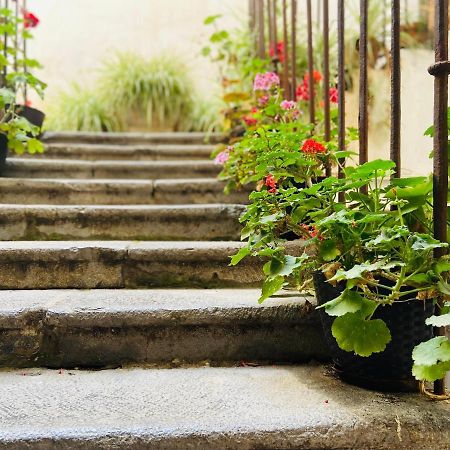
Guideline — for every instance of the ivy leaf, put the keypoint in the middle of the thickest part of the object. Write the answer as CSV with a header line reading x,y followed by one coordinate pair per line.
x,y
270,287
239,256
348,302
431,352
426,242
364,337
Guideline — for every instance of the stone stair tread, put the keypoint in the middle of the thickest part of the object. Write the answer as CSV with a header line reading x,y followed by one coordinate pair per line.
x,y
144,222
131,137
125,152
115,191
110,328
277,407
77,168
123,264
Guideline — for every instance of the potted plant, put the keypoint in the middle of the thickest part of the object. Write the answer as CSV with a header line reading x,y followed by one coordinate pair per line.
x,y
369,261
17,133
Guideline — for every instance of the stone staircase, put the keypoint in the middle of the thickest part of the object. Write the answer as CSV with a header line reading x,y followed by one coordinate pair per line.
x,y
114,256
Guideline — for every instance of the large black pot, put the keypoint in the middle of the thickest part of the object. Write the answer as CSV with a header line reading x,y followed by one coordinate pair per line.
x,y
389,370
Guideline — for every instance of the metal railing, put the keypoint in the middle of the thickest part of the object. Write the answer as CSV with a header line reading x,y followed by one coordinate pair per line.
x,y
264,13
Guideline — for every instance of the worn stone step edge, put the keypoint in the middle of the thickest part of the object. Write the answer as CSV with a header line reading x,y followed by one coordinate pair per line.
x,y
153,222
116,192
125,264
132,138
125,152
79,328
73,168
244,408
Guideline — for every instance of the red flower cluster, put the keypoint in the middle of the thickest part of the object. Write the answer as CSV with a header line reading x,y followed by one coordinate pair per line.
x,y
334,95
279,51
312,147
310,229
29,19
271,183
302,91
249,120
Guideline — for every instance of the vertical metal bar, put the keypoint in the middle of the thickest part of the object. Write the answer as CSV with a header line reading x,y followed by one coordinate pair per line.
x,y
440,143
275,27
5,49
363,122
326,77
341,89
396,109
16,35
252,24
286,53
312,112
293,48
261,31
272,43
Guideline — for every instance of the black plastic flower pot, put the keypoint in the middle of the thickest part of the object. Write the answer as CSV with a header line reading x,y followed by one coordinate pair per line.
x,y
33,115
389,370
3,152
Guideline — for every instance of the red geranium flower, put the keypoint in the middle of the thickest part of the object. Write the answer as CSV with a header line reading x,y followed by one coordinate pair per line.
x,y
279,52
29,19
302,92
249,121
271,183
312,147
333,95
316,75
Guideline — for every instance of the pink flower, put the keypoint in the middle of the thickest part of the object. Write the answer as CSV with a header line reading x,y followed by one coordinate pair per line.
x,y
287,105
266,81
334,95
262,101
223,156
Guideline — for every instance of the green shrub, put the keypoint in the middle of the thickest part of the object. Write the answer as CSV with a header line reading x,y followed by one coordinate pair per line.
x,y
81,109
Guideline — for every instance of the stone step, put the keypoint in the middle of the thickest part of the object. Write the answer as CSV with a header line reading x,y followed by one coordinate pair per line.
x,y
123,264
110,328
72,168
92,152
206,408
131,138
166,222
115,192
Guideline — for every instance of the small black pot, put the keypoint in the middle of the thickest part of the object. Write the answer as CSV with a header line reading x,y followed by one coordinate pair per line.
x,y
3,152
389,370
33,115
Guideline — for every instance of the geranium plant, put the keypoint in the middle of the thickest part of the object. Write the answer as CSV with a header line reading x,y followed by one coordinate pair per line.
x,y
20,133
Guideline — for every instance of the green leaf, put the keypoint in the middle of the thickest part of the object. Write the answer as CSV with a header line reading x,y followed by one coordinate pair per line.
x,y
240,255
328,250
348,302
211,19
439,321
270,287
444,287
431,373
364,337
35,146
431,352
426,242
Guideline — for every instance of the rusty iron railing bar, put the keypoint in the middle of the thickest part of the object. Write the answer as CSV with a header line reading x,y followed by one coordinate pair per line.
x,y
312,111
16,35
293,48
25,88
326,77
261,31
272,44
286,53
363,122
252,24
396,109
440,70
5,49
341,88
275,34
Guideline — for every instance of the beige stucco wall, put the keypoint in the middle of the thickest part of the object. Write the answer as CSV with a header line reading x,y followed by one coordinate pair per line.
x,y
75,35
